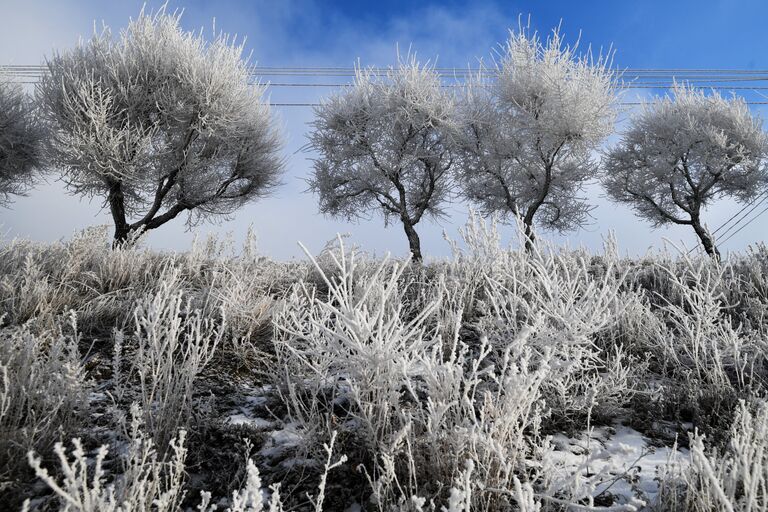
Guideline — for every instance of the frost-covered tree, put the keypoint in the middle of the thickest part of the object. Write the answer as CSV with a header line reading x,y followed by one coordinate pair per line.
x,y
160,122
20,136
385,144
683,151
527,136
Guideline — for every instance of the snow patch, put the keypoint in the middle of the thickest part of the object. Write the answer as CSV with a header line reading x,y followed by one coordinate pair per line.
x,y
627,463
281,440
257,423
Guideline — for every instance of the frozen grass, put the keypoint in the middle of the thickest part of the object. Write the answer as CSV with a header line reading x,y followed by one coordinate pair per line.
x,y
146,480
43,396
732,478
493,380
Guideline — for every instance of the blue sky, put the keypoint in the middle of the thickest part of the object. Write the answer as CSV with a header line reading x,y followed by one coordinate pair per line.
x,y
644,34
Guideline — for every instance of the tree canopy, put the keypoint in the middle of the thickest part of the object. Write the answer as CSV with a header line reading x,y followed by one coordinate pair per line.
x,y
386,144
161,122
20,137
528,134
683,151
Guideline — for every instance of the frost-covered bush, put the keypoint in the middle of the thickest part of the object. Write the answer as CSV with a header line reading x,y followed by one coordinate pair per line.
x,y
171,345
357,333
712,362
746,289
103,285
557,306
147,481
44,281
706,343
43,397
734,478
412,401
563,309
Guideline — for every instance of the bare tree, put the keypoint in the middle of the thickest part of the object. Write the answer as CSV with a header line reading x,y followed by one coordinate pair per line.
x,y
161,122
20,136
684,151
527,136
385,144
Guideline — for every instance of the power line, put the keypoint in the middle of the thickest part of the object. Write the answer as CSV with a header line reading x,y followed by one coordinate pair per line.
x,y
721,79
750,203
623,104
713,78
728,221
341,85
644,74
295,104
753,208
745,225
444,69
759,199
640,78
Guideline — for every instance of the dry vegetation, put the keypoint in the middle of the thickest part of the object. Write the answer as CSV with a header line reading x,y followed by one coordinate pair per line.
x,y
497,379
137,380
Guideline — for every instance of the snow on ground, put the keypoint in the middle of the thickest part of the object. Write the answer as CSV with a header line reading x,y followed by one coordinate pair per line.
x,y
251,409
244,419
615,460
281,441
618,458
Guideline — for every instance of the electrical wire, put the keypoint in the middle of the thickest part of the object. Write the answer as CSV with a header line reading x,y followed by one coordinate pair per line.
x,y
643,74
757,201
745,225
717,79
631,79
757,198
752,209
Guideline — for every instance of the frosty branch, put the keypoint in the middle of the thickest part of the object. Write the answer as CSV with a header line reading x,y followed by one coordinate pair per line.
x,y
161,122
20,136
526,137
385,144
683,152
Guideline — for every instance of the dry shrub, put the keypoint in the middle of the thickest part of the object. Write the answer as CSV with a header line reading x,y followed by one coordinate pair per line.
x,y
43,397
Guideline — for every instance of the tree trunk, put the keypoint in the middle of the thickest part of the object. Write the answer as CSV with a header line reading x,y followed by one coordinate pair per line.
x,y
413,240
530,212
706,239
117,208
530,238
